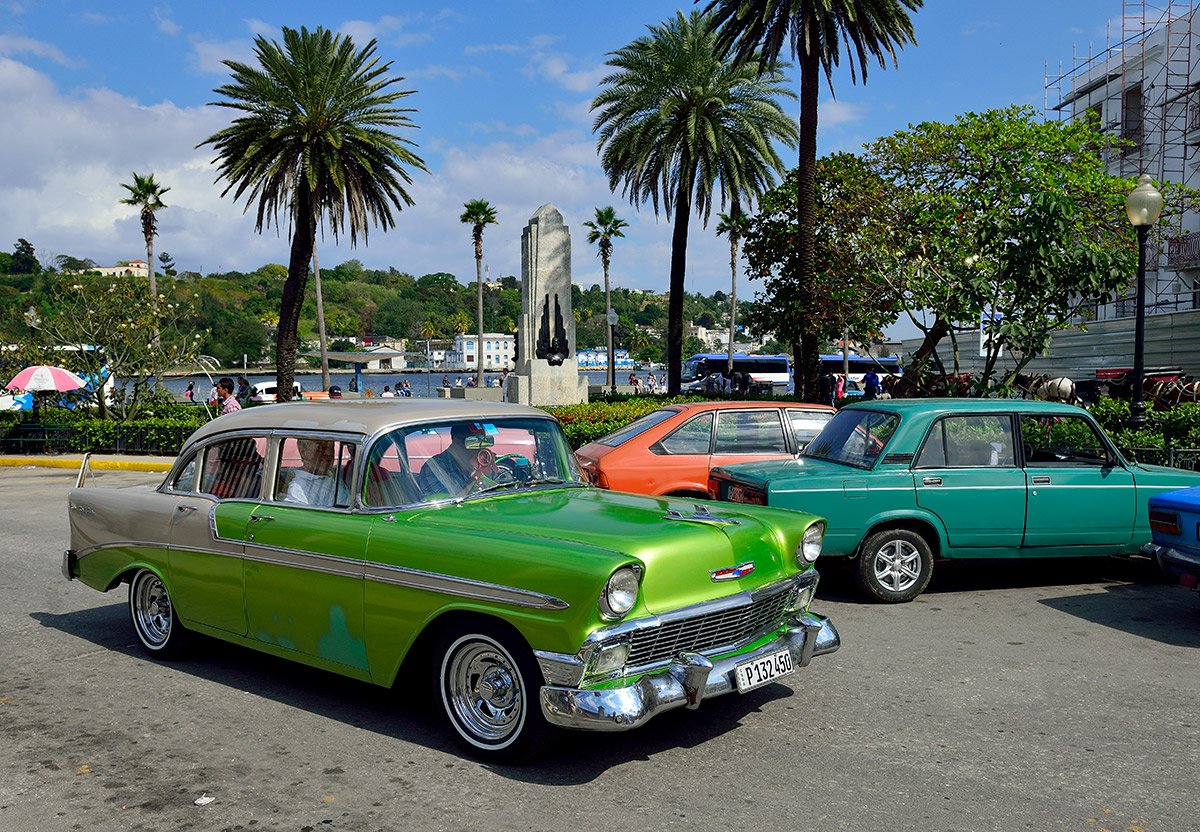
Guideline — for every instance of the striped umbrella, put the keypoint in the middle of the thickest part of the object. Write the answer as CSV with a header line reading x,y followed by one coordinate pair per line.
x,y
44,377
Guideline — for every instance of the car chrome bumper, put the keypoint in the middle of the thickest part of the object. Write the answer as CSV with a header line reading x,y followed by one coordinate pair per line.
x,y
70,564
686,682
1174,562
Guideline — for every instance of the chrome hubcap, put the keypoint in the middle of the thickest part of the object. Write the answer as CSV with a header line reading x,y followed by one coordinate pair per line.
x,y
152,610
483,691
897,565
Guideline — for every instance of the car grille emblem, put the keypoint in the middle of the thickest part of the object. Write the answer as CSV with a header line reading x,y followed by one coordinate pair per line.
x,y
732,573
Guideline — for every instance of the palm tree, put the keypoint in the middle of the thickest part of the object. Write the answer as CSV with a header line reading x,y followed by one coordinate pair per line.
x,y
478,213
601,232
758,31
314,138
676,122
146,194
735,224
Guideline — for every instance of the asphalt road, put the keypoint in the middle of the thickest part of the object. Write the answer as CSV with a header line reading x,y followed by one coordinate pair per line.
x,y
1038,696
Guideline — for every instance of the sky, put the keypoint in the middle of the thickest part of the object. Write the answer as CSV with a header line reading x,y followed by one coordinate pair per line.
x,y
93,91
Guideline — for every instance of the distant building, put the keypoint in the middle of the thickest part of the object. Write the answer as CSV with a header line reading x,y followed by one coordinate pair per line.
x,y
134,268
498,351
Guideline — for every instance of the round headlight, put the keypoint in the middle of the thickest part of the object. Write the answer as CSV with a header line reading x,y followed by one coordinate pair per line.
x,y
810,546
620,593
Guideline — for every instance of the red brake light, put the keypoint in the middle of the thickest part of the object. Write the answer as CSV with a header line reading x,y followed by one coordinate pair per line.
x,y
1166,522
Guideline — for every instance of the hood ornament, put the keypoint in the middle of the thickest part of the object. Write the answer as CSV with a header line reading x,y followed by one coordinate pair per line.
x,y
732,573
701,515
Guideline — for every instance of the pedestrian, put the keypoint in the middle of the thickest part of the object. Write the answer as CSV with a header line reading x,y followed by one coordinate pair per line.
x,y
406,389
458,382
243,390
839,388
871,385
387,393
471,381
212,395
354,384
229,402
827,385
446,381
190,392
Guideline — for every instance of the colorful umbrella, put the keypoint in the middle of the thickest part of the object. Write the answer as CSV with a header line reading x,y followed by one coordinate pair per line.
x,y
44,377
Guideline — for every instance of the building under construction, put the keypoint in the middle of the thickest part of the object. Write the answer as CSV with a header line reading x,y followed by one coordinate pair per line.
x,y
1145,87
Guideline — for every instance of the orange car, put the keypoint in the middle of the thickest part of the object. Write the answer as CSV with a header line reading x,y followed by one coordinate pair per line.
x,y
671,450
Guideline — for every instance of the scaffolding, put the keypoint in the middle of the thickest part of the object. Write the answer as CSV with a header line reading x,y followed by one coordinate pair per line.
x,y
1145,88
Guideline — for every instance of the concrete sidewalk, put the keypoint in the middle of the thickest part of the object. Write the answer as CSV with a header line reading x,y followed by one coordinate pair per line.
x,y
100,462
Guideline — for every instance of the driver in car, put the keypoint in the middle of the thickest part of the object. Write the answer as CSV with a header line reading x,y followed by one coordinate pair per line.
x,y
453,469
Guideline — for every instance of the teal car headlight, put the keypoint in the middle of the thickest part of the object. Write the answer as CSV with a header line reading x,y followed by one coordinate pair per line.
x,y
810,545
620,593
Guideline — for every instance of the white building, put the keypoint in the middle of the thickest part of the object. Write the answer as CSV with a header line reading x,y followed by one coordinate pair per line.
x,y
1146,89
134,268
498,350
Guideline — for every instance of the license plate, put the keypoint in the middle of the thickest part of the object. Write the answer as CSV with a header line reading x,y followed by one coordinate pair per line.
x,y
763,670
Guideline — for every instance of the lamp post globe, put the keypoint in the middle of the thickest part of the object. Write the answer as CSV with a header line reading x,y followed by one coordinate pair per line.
x,y
1142,206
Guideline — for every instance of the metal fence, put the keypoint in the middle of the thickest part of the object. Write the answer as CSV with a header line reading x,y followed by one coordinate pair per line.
x,y
1187,459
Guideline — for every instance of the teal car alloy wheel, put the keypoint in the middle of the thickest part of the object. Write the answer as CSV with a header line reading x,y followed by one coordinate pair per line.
x,y
895,565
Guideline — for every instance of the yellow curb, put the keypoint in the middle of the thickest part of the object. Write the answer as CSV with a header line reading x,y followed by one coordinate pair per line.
x,y
96,464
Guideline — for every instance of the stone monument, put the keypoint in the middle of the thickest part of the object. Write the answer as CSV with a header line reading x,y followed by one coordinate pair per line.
x,y
547,365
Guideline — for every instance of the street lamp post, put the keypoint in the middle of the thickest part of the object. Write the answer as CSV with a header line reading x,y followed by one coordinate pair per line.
x,y
1142,206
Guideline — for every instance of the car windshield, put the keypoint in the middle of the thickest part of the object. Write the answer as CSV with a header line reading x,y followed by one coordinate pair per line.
x,y
853,437
459,459
636,427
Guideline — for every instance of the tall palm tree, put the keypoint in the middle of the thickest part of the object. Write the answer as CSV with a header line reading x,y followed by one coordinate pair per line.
x,y
735,224
314,138
478,213
678,123
601,231
146,194
758,31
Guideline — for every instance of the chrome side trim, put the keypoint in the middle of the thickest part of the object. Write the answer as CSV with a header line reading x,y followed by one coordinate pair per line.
x,y
559,668
309,561
119,544
462,587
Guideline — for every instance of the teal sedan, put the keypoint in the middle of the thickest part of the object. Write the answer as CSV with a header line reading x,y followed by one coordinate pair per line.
x,y
455,546
905,483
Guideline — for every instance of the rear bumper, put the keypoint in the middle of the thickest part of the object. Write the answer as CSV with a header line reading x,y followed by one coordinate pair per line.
x,y
1177,563
686,682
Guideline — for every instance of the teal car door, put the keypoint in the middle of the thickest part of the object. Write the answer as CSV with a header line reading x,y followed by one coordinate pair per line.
x,y
1079,496
967,475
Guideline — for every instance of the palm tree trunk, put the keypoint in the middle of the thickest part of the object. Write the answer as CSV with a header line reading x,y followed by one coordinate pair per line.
x,y
287,337
479,310
611,380
153,285
683,214
807,369
733,241
321,321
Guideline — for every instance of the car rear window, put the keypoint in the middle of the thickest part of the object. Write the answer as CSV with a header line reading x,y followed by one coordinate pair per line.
x,y
854,437
636,427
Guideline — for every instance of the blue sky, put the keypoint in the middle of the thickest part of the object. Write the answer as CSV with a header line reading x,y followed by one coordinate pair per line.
x,y
93,91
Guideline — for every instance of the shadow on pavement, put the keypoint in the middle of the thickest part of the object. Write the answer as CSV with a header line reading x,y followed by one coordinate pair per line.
x,y
1166,614
580,758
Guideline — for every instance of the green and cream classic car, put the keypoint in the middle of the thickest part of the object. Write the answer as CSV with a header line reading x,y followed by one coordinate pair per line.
x,y
455,545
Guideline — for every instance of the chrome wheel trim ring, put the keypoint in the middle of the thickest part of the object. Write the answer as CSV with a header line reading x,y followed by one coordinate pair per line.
x,y
897,565
151,607
482,691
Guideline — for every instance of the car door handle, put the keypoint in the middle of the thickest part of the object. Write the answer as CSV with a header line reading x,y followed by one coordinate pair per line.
x,y
1041,480
260,518
931,481
390,518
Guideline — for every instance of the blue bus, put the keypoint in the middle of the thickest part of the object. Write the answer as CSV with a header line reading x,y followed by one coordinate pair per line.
x,y
860,365
764,373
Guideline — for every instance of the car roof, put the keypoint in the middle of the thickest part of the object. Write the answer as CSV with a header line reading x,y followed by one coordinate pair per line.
x,y
906,406
725,405
362,416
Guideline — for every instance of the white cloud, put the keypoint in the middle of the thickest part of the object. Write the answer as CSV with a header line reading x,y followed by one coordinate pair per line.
x,y
834,112
16,45
166,25
209,54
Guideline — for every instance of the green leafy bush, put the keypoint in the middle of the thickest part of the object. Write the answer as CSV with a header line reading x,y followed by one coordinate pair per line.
x,y
584,423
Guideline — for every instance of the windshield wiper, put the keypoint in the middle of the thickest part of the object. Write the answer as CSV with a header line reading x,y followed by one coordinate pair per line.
x,y
500,486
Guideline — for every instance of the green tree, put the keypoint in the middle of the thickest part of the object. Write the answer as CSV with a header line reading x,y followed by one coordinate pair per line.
x,y
734,225
1002,212
478,213
66,263
146,195
24,259
601,232
676,122
314,138
760,30
168,264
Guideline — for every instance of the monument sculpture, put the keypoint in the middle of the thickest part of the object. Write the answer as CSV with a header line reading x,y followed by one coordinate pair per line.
x,y
547,367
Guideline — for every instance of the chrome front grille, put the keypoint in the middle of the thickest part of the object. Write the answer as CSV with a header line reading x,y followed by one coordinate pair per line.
x,y
710,631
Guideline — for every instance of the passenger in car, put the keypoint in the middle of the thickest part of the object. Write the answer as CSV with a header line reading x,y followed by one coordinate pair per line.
x,y
315,482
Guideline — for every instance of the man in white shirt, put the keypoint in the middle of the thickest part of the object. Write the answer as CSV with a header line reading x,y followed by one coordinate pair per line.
x,y
315,483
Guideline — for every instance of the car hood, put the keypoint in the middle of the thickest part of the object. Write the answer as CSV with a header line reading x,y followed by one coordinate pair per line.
x,y
1162,478
600,530
759,473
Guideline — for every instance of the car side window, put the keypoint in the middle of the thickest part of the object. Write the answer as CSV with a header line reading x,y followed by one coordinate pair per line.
x,y
1062,441
186,479
314,472
806,425
692,437
233,468
969,442
750,432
